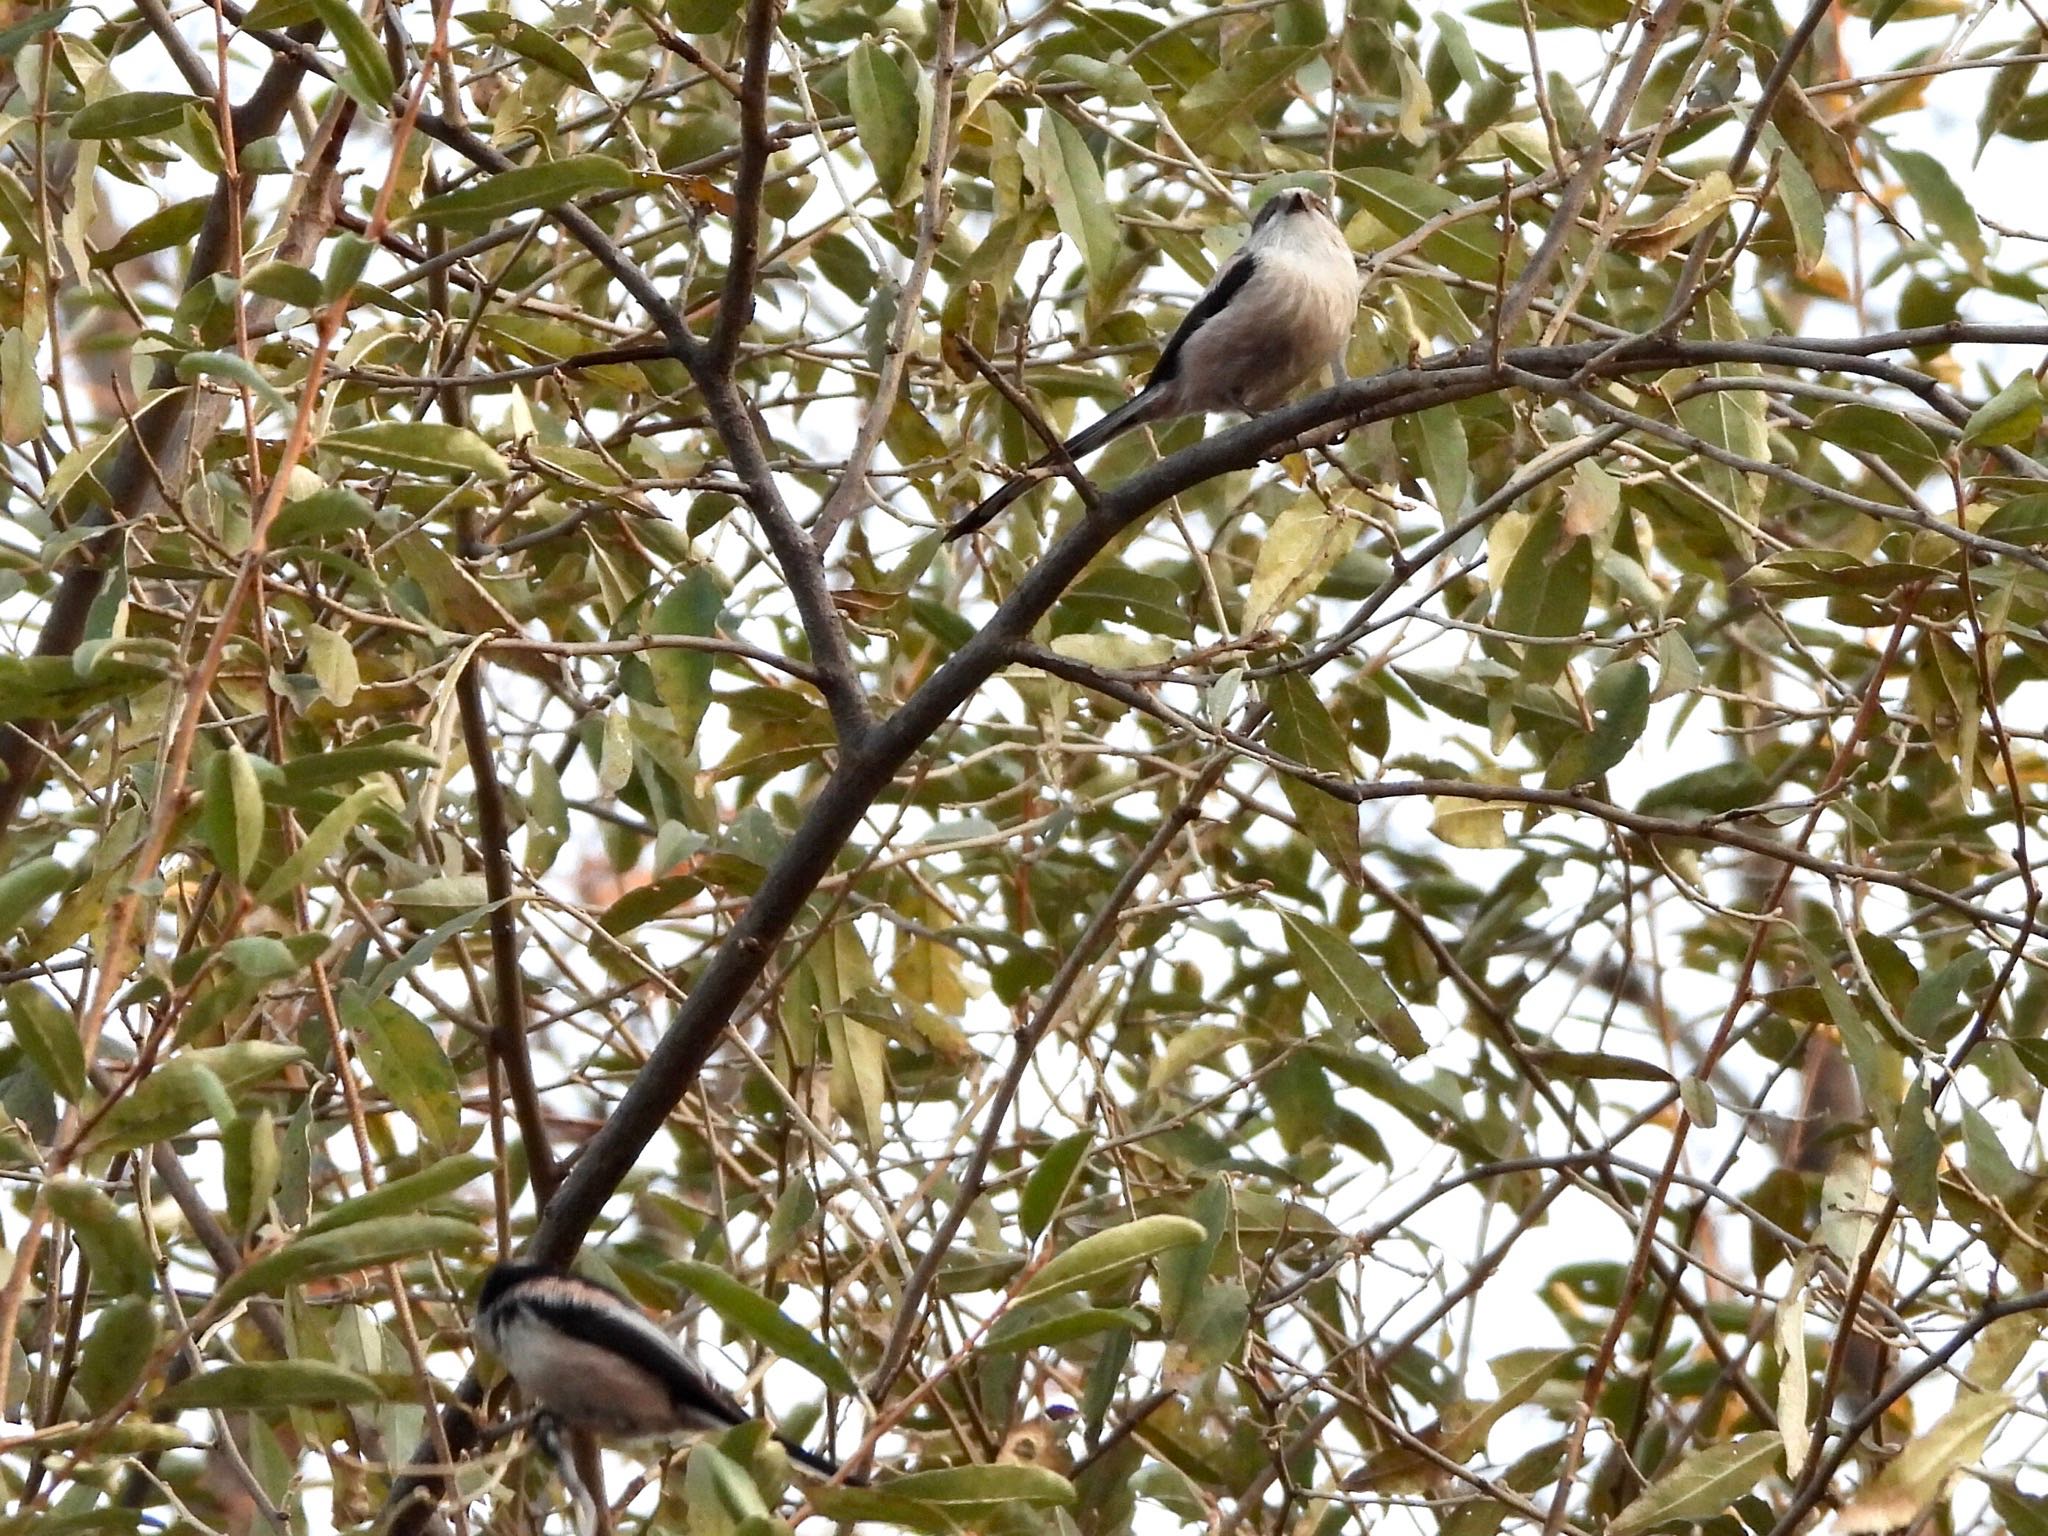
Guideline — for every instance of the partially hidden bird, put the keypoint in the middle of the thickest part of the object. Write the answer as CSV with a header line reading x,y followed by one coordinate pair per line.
x,y
1281,307
588,1358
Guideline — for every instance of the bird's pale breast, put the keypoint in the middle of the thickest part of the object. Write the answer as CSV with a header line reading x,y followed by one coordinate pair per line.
x,y
585,1385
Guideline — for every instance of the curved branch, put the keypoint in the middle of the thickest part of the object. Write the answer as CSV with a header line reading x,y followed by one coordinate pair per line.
x,y
869,761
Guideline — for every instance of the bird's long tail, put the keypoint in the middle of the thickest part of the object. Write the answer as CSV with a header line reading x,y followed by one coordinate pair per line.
x,y
1133,412
824,1466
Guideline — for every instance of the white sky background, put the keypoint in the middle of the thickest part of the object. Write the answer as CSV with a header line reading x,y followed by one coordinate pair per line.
x,y
2005,187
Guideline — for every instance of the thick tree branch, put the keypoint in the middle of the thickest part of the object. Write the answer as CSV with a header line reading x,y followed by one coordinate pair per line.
x,y
736,304
868,763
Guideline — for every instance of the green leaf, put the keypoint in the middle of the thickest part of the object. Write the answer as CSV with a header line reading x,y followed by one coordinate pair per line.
x,y
2023,520
1943,204
1733,420
53,688
285,281
2009,418
346,258
322,843
1806,210
1916,1154
1238,87
1819,147
407,1063
1703,1484
1212,1327
760,1319
250,1163
368,77
350,764
1350,988
132,114
1620,702
1073,183
1106,1256
161,230
355,1246
1885,435
1598,1064
1520,1375
123,1337
1546,592
942,1499
12,38
275,15
337,509
721,1498
112,1243
702,16
682,678
1046,1190
533,44
551,184
1304,730
25,888
238,370
181,1092
1941,1002
270,1384
261,957
1446,456
413,1192
884,115
420,447
1027,1328
49,1036
1404,203
231,812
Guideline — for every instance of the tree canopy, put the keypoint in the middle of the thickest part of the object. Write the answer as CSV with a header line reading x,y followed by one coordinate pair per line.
x,y
1464,952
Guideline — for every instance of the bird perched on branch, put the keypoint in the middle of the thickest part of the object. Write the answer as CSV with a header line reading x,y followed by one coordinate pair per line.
x,y
588,1358
1281,307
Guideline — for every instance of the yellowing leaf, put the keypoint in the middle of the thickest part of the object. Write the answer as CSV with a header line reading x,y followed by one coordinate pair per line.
x,y
1469,823
332,661
1699,209
1703,1484
1112,652
1305,541
1819,148
1915,1477
1793,1378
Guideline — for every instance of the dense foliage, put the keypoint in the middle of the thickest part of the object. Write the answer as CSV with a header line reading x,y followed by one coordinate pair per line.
x,y
1461,953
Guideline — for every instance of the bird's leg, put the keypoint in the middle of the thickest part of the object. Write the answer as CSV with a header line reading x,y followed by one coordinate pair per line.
x,y
552,1436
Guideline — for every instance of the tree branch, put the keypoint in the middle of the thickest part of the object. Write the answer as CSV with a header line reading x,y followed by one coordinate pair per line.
x,y
736,306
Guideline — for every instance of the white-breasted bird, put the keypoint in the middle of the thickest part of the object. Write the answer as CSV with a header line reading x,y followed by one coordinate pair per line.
x,y
1280,308
588,1357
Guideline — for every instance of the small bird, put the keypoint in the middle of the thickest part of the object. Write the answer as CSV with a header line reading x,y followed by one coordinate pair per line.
x,y
587,1357
1281,307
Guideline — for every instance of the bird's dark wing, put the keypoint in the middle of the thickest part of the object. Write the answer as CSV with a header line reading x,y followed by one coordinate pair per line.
x,y
632,1338
1235,274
